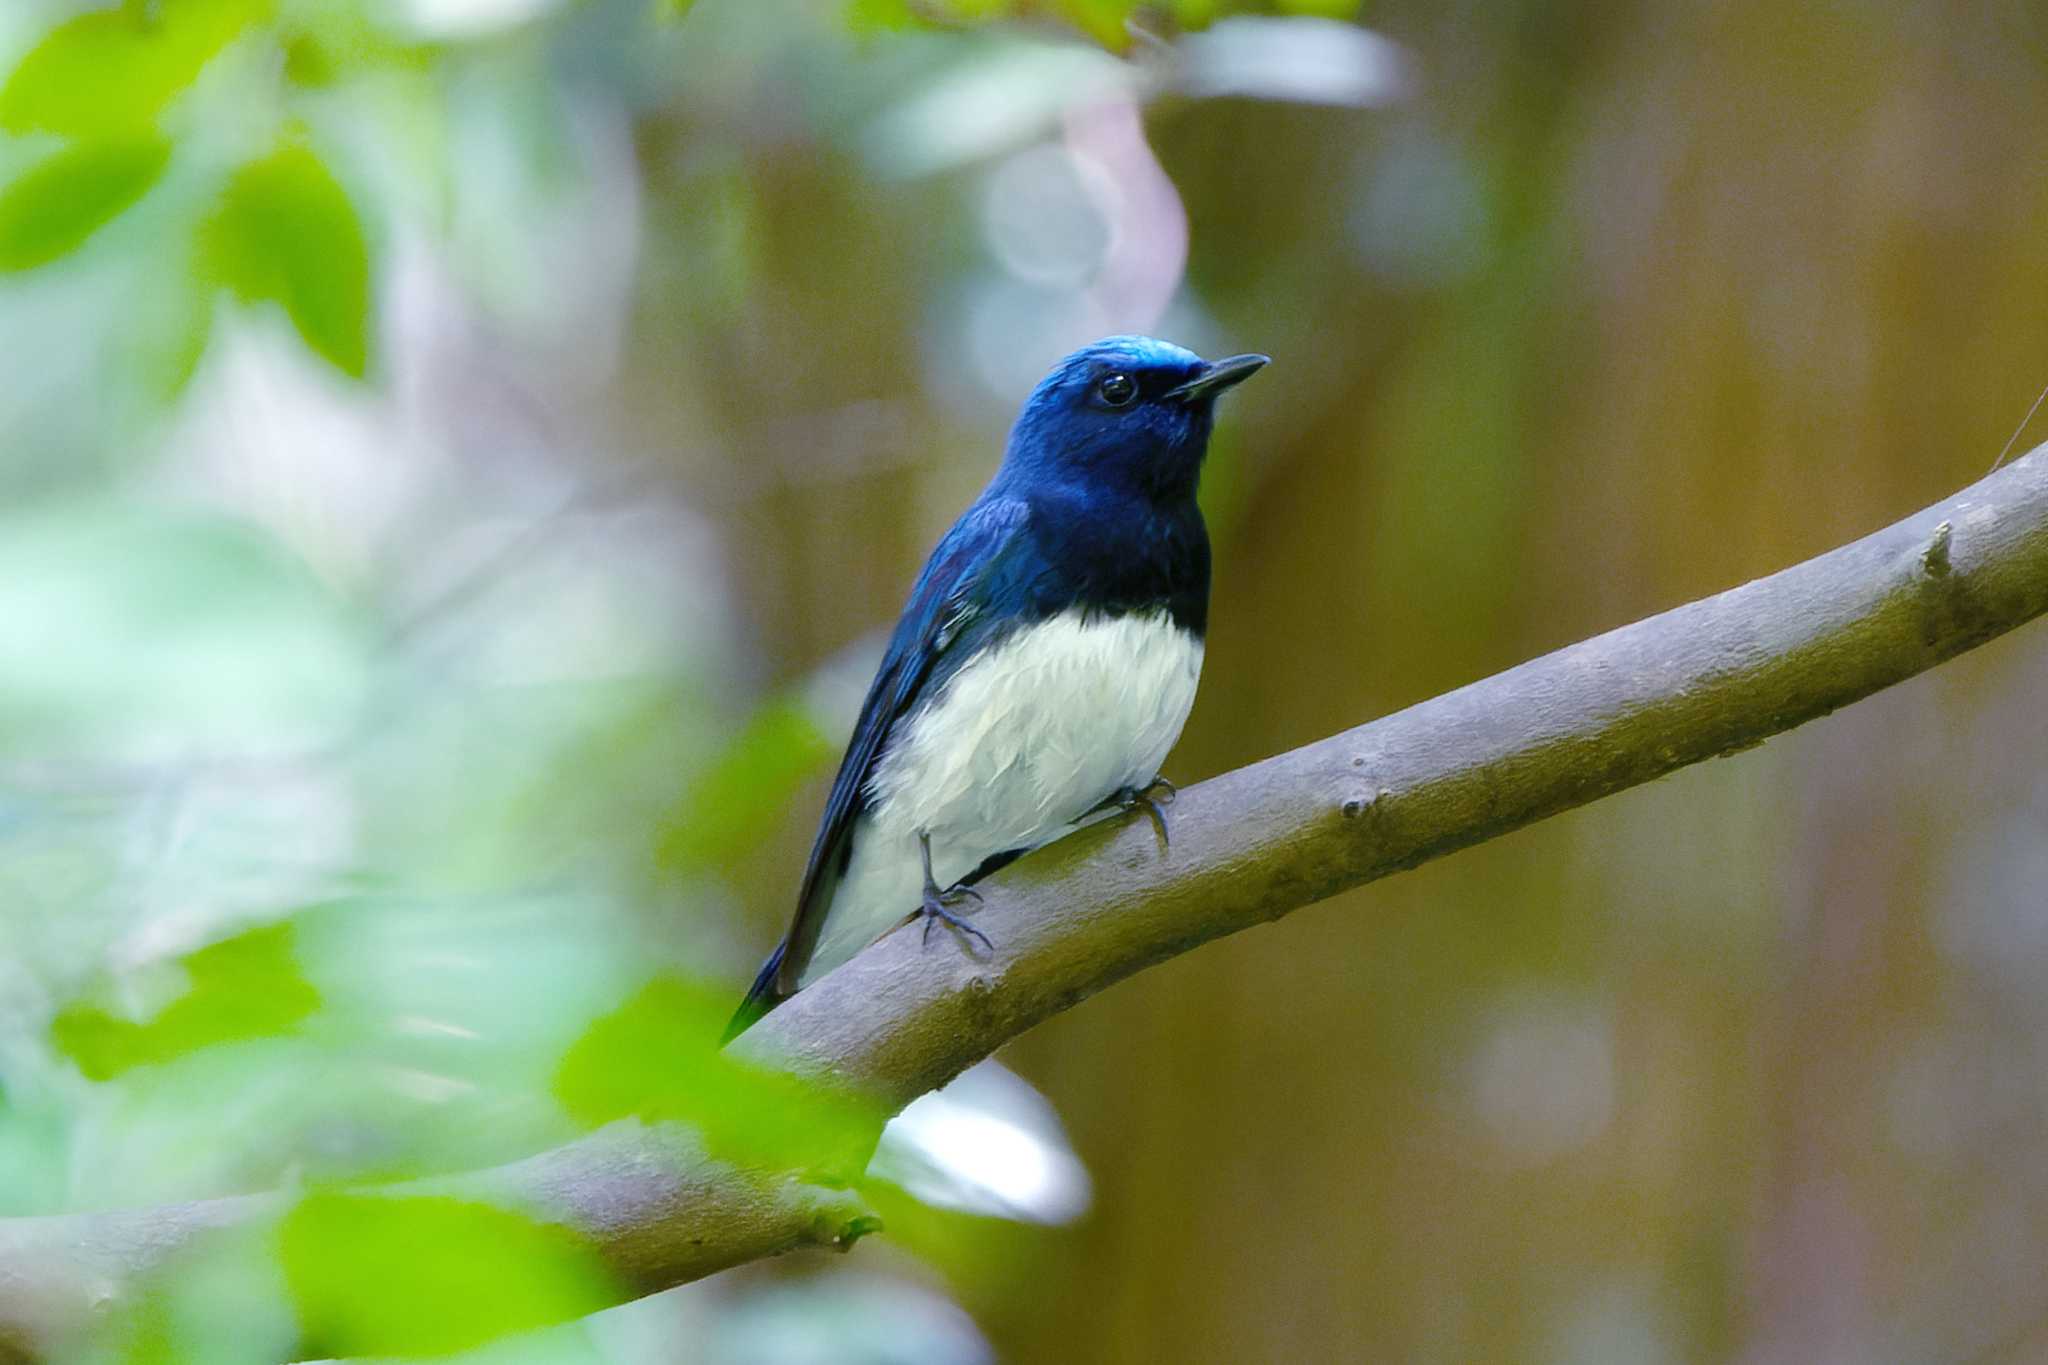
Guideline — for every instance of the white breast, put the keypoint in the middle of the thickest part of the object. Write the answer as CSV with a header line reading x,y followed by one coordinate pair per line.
x,y
1023,741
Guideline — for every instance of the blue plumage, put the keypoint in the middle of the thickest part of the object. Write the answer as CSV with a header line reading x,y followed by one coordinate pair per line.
x,y
1044,662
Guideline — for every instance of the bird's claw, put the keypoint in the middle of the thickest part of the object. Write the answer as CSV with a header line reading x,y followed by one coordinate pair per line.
x,y
1155,796
938,905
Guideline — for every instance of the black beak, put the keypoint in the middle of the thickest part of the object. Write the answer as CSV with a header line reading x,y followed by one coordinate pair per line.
x,y
1219,375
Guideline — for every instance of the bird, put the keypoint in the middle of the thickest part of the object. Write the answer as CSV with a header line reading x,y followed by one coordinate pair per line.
x,y
1042,668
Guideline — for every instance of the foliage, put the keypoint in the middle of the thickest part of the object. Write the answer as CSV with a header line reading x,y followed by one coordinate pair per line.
x,y
374,1275
458,456
53,208
393,926
112,72
248,986
280,227
657,1058
284,232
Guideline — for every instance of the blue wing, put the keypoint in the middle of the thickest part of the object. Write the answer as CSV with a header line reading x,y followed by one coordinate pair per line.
x,y
945,616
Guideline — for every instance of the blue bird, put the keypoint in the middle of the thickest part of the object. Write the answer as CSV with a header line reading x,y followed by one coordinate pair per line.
x,y
1044,664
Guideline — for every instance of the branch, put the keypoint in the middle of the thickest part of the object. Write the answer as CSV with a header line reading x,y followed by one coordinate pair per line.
x,y
1710,678
656,1207
1707,679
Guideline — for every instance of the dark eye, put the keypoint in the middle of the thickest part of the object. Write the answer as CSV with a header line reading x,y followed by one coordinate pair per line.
x,y
1116,389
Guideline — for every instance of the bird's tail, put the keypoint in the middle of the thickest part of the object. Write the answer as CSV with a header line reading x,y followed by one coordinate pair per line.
x,y
762,996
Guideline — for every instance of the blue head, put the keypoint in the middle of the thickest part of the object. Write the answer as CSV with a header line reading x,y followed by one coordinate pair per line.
x,y
1128,413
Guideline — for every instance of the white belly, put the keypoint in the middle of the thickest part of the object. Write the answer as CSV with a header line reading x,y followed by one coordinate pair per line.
x,y
1022,742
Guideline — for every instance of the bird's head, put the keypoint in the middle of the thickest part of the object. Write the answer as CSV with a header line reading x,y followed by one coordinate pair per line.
x,y
1127,412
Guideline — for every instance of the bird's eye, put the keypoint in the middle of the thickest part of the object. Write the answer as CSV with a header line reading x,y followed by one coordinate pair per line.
x,y
1117,389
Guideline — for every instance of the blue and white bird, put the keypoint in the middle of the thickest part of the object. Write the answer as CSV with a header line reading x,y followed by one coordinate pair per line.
x,y
1044,664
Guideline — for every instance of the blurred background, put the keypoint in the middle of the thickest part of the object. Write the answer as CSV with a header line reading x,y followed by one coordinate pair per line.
x,y
460,457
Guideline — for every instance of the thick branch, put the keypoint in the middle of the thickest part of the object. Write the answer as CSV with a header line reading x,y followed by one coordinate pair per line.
x,y
656,1207
1707,679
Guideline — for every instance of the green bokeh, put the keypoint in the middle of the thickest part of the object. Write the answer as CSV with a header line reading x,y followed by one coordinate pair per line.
x,y
376,1275
285,232
51,210
743,792
248,986
657,1057
113,71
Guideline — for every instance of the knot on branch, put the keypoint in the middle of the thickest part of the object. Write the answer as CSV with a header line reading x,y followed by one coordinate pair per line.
x,y
1934,559
855,1229
842,1220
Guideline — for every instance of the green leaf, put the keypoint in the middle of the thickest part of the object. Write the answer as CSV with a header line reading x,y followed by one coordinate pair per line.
x,y
308,63
348,40
244,987
59,203
285,232
113,71
657,1058
384,1276
1106,21
869,17
747,788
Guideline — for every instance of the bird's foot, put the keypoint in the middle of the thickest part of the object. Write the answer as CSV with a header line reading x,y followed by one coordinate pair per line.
x,y
1155,796
938,905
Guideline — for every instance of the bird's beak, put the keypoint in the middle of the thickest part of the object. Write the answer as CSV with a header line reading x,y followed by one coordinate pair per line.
x,y
1219,375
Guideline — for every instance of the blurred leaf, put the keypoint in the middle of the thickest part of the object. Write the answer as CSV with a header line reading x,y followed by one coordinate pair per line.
x,y
147,1334
113,71
657,1057
284,231
1106,21
308,63
746,789
880,16
219,1304
59,203
248,986
375,1275
339,41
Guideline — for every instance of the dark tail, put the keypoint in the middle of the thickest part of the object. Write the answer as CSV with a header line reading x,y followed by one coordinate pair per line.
x,y
761,997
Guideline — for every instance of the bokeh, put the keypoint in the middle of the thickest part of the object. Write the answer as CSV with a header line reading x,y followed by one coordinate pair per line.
x,y
461,458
